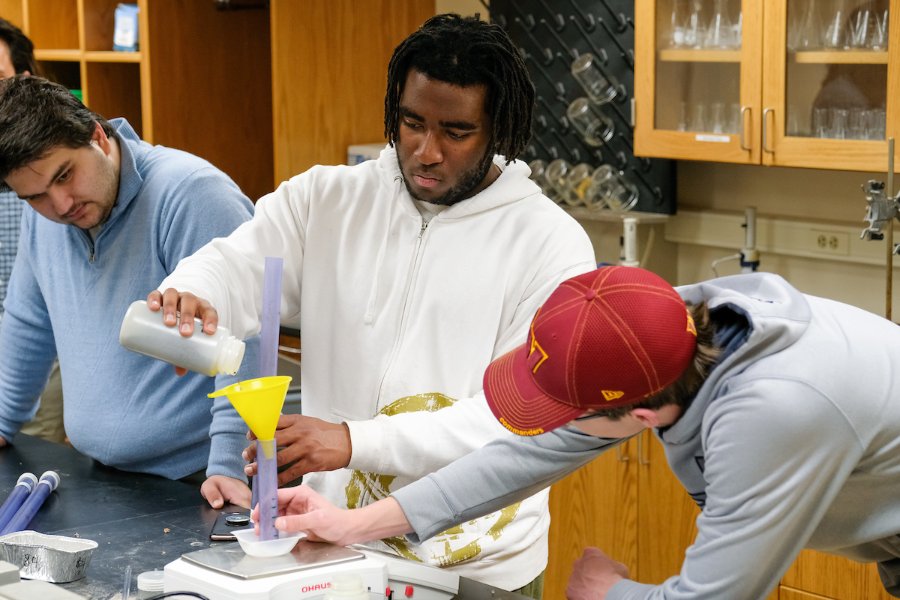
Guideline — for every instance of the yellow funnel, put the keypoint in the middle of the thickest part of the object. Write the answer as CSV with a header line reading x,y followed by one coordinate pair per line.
x,y
259,402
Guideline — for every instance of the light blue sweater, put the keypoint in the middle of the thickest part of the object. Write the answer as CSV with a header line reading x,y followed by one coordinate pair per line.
x,y
68,295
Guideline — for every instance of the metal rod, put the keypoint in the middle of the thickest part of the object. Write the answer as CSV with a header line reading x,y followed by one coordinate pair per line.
x,y
559,119
551,150
554,84
561,42
620,114
558,17
624,139
626,55
619,17
529,18
584,33
573,152
562,141
889,275
547,52
586,17
653,188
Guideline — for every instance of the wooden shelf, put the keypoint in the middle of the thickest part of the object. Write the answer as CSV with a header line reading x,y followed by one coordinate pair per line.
x,y
190,75
58,55
841,57
707,56
609,216
110,56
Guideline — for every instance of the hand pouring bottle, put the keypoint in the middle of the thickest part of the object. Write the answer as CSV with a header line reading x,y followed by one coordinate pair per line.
x,y
143,331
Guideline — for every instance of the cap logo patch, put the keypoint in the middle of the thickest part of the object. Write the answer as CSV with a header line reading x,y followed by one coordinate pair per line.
x,y
523,432
610,395
536,347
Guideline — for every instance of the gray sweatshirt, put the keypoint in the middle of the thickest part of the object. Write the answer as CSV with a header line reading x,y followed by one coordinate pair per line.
x,y
793,442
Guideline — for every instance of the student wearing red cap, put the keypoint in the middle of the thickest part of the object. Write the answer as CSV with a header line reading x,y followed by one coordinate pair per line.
x,y
777,410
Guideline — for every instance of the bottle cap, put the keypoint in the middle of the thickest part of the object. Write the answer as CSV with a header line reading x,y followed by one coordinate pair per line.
x,y
231,354
150,581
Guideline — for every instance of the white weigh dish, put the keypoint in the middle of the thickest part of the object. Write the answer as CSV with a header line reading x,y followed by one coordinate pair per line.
x,y
253,546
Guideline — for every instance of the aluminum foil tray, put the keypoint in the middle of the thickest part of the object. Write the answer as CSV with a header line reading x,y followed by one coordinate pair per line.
x,y
53,558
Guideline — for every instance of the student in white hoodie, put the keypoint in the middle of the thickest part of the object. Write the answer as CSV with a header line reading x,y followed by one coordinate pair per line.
x,y
407,275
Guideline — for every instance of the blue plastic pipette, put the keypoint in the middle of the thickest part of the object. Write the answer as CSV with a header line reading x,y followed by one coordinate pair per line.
x,y
47,483
17,496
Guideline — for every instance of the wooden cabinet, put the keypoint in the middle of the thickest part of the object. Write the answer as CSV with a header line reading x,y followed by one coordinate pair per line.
x,y
627,503
200,80
797,84
831,577
630,505
329,74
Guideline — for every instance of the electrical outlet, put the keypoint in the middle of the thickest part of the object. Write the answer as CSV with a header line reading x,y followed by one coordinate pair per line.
x,y
830,242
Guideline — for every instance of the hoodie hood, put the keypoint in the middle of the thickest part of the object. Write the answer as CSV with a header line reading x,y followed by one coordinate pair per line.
x,y
777,315
513,178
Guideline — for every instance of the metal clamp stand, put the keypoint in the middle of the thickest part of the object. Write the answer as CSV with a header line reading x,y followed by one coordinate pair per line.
x,y
883,208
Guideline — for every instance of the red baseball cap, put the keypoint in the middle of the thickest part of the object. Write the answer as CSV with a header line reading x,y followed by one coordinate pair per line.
x,y
608,338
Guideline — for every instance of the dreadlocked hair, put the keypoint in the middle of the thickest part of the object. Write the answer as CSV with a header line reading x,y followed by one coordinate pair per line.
x,y
466,51
683,390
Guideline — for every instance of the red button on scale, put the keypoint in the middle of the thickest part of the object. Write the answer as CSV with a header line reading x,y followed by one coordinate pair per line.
x,y
408,592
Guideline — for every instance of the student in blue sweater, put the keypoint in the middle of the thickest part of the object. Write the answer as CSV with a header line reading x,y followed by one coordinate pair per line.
x,y
108,217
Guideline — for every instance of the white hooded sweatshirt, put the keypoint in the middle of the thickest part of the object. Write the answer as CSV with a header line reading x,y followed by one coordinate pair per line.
x,y
397,316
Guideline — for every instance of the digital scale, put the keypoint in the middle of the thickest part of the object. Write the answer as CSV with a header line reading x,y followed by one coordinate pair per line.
x,y
226,573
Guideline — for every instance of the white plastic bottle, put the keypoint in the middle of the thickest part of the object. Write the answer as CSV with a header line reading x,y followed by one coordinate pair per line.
x,y
143,331
347,586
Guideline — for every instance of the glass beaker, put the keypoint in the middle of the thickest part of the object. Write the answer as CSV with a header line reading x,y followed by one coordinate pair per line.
x,y
599,87
804,26
699,118
839,118
821,125
577,181
721,27
860,28
879,37
595,127
717,120
856,125
618,193
836,28
555,175
681,15
695,31
875,123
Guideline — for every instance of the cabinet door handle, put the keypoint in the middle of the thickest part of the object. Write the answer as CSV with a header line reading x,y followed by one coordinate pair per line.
x,y
642,460
765,131
744,111
620,455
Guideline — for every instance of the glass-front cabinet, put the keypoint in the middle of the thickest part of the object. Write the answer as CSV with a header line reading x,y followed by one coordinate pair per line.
x,y
809,83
